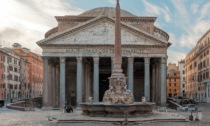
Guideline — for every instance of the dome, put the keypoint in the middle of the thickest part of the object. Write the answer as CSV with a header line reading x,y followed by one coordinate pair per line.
x,y
110,11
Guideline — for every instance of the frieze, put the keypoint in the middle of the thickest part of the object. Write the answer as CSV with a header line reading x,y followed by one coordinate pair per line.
x,y
105,51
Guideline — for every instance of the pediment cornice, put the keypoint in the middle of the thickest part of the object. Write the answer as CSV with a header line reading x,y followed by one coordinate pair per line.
x,y
97,20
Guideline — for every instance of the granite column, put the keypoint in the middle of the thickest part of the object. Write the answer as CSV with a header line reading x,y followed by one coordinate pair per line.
x,y
62,82
147,78
130,73
96,80
79,80
45,85
163,81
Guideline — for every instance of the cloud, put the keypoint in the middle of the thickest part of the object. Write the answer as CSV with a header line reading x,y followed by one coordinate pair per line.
x,y
205,11
194,7
27,21
112,1
194,27
157,11
172,38
175,56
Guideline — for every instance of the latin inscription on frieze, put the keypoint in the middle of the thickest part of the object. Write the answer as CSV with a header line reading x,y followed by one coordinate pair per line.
x,y
105,51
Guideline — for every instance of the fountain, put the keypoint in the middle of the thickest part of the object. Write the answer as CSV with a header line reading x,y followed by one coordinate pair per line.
x,y
118,100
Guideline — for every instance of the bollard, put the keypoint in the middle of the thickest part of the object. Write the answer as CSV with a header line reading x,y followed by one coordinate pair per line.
x,y
126,118
191,117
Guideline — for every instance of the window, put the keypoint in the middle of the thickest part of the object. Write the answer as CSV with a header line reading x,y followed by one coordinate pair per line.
x,y
15,61
174,84
195,64
207,74
9,59
10,68
174,90
15,86
10,86
183,72
15,69
10,77
204,63
16,78
174,79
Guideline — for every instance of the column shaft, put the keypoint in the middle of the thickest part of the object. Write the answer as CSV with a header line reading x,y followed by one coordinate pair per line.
x,y
153,83
96,80
62,82
79,80
54,86
157,80
130,73
163,81
50,85
45,84
147,78
57,86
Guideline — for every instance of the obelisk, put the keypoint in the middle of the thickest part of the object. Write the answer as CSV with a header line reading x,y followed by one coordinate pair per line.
x,y
118,93
117,46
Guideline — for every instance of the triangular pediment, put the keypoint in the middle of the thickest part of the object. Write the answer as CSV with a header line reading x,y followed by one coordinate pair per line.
x,y
101,31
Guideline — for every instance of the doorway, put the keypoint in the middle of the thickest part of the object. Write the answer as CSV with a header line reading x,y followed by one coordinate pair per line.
x,y
103,85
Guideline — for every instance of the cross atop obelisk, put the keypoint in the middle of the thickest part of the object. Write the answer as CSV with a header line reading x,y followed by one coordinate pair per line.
x,y
117,46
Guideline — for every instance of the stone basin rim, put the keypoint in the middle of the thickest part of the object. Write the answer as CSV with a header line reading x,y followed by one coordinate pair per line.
x,y
107,104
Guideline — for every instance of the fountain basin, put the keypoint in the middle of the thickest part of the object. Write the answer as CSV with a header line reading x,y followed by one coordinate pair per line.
x,y
100,109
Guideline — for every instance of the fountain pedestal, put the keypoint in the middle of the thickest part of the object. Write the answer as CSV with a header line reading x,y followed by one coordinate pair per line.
x,y
118,93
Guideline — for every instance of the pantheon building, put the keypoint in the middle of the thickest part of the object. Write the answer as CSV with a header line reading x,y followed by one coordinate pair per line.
x,y
78,57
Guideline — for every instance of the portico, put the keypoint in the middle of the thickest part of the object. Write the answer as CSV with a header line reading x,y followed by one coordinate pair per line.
x,y
83,77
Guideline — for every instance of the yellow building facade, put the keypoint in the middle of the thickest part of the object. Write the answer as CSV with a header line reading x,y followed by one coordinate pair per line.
x,y
197,70
173,81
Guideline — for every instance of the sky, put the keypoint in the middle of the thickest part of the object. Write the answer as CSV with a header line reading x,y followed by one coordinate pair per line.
x,y
26,21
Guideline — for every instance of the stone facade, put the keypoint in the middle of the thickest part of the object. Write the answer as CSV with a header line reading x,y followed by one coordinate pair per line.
x,y
197,70
78,57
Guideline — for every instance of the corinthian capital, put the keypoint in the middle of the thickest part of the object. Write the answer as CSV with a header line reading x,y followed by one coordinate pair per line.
x,y
146,60
62,59
130,59
45,59
96,60
163,59
79,59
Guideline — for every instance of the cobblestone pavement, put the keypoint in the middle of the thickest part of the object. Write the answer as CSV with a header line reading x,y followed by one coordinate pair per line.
x,y
41,118
26,118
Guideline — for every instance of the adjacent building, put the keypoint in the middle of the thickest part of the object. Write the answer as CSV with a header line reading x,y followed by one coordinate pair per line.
x,y
10,74
181,64
173,81
2,84
21,73
31,71
78,57
197,68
